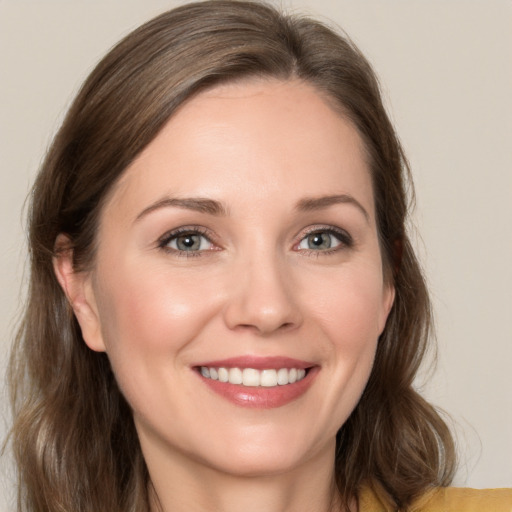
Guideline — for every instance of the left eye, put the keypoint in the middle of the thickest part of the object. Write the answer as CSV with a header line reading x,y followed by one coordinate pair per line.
x,y
319,241
188,242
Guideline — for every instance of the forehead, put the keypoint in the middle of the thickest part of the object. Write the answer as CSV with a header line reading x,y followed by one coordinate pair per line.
x,y
251,140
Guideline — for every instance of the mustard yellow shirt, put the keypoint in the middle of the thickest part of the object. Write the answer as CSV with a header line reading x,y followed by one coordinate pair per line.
x,y
445,499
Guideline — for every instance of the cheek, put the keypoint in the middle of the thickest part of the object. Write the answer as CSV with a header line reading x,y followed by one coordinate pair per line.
x,y
149,315
149,320
345,315
352,307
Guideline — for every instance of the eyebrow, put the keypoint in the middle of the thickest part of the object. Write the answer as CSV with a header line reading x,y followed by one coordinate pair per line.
x,y
213,207
197,204
318,203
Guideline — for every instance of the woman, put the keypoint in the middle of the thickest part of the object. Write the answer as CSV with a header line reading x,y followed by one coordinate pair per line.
x,y
225,311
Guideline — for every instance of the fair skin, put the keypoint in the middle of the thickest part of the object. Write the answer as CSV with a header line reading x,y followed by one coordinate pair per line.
x,y
277,264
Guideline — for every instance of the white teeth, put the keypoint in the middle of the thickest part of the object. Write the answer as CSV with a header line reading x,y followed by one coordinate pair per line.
x,y
235,376
282,376
250,377
223,375
268,378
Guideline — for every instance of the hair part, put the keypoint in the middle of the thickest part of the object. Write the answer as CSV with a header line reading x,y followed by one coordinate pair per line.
x,y
73,436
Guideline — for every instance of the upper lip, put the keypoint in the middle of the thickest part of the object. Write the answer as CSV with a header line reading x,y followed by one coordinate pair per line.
x,y
258,362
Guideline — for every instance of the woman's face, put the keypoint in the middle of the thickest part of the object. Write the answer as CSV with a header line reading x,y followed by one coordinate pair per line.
x,y
242,239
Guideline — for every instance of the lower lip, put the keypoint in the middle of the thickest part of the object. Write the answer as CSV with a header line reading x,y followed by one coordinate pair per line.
x,y
261,397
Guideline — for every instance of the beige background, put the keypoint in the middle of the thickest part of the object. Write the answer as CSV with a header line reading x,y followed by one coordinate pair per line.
x,y
447,77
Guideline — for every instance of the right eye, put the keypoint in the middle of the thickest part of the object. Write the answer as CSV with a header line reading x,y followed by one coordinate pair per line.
x,y
186,241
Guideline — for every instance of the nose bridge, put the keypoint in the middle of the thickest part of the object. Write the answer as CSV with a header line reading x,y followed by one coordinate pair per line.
x,y
262,296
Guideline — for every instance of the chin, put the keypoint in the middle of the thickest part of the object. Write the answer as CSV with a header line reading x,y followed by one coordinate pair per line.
x,y
259,465
270,454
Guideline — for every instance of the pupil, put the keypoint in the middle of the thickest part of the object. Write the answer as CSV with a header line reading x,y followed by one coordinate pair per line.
x,y
319,240
187,242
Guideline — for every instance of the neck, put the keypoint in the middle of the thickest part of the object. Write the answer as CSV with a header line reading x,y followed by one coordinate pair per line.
x,y
182,485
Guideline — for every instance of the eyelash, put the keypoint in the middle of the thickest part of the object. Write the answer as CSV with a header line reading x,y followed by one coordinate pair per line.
x,y
166,239
342,236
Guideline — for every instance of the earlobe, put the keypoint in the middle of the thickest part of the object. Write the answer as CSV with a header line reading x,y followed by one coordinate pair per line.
x,y
78,289
388,301
390,297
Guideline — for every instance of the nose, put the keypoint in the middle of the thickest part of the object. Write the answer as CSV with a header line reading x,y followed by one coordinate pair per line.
x,y
263,298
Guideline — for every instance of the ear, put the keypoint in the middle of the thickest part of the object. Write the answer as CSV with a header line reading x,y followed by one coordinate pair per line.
x,y
79,291
388,298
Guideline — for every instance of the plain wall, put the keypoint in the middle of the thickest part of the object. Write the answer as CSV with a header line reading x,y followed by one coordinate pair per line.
x,y
446,72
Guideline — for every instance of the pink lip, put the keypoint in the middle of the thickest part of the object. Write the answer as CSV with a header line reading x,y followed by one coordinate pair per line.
x,y
258,363
260,397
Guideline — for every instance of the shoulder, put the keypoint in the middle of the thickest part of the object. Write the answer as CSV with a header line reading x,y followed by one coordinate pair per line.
x,y
444,499
448,499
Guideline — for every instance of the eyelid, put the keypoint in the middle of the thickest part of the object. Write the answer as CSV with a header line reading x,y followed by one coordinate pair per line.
x,y
346,240
172,234
343,236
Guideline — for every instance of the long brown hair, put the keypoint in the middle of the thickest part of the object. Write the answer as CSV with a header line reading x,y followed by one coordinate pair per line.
x,y
73,436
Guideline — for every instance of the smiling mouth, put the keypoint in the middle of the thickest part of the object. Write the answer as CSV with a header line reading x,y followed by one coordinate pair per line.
x,y
258,382
251,377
